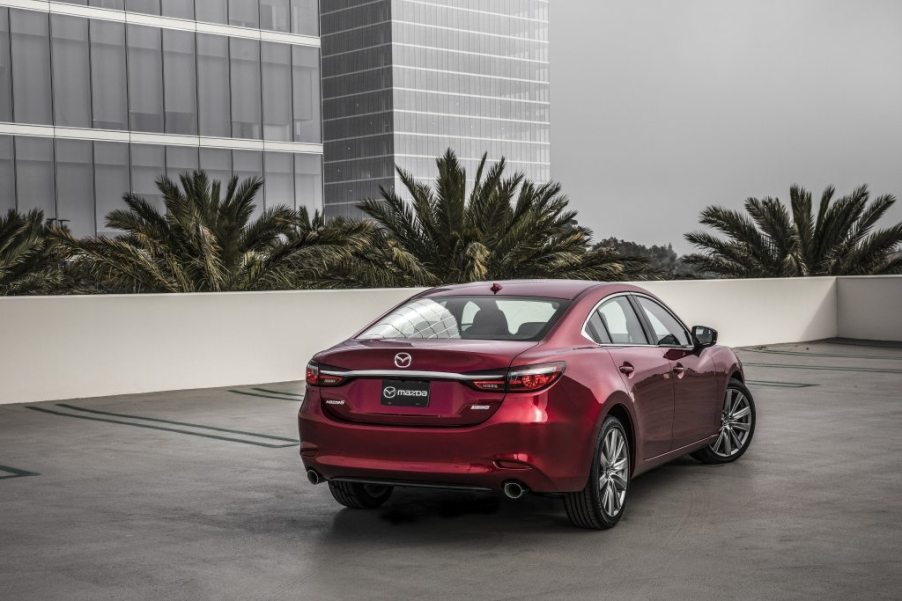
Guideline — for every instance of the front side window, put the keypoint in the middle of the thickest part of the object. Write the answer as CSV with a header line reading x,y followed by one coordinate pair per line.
x,y
475,317
667,330
620,322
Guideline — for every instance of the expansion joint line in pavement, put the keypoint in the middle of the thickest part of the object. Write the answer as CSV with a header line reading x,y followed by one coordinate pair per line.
x,y
869,370
817,354
7,473
778,384
138,421
291,397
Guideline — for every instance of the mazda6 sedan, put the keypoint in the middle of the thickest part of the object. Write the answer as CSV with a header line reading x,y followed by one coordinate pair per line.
x,y
568,388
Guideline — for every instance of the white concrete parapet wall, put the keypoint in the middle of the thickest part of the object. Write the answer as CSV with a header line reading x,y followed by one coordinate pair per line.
x,y
79,346
869,307
59,347
759,311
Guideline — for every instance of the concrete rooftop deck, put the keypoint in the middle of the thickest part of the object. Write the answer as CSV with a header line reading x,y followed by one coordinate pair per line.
x,y
201,495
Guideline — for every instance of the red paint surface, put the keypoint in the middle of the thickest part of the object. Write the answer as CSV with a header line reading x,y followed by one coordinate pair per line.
x,y
672,401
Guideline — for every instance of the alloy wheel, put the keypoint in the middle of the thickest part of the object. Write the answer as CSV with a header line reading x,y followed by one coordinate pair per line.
x,y
735,424
613,472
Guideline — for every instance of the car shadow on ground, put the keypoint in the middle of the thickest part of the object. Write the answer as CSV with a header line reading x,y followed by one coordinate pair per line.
x,y
438,514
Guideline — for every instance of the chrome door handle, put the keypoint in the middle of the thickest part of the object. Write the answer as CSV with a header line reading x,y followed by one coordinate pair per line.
x,y
679,371
627,369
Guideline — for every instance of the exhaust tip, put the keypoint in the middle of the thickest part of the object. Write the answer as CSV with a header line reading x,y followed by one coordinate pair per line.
x,y
513,490
313,477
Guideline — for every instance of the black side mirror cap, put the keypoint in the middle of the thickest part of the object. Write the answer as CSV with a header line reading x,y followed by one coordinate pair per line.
x,y
703,336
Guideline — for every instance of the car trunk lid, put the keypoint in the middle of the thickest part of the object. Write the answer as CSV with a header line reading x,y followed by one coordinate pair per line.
x,y
416,383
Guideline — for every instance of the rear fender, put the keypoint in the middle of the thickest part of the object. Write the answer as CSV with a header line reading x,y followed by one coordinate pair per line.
x,y
620,405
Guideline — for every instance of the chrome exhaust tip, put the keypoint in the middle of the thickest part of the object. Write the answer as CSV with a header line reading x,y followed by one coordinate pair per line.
x,y
313,477
513,490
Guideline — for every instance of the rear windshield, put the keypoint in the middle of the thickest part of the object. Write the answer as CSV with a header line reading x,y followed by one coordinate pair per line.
x,y
470,317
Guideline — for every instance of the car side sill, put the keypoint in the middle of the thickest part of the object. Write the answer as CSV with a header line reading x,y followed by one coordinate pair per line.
x,y
657,460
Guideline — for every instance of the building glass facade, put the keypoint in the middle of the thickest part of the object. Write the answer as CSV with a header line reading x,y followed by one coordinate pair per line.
x,y
404,80
92,107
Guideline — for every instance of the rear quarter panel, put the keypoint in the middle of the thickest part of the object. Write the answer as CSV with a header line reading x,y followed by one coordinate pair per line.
x,y
577,404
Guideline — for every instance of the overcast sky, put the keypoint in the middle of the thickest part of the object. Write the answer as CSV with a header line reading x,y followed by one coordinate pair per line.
x,y
662,107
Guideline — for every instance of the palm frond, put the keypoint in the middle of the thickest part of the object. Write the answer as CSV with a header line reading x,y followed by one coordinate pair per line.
x,y
775,242
503,227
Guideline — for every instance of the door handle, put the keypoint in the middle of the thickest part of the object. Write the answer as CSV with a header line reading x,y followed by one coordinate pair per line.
x,y
627,369
679,371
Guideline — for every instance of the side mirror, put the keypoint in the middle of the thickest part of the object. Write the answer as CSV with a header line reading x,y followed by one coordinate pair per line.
x,y
703,336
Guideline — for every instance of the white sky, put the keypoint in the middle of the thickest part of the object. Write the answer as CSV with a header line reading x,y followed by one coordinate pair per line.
x,y
662,107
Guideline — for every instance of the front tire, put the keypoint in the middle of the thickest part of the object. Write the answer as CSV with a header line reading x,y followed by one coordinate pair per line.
x,y
360,496
600,504
737,426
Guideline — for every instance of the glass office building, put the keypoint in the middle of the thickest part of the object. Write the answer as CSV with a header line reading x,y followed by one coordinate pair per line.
x,y
101,97
403,80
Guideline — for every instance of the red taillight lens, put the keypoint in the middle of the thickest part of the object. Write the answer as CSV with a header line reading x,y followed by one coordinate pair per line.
x,y
533,377
316,377
312,374
526,378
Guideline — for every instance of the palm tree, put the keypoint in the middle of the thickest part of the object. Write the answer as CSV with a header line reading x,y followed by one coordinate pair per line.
x,y
358,265
210,241
30,261
507,227
771,240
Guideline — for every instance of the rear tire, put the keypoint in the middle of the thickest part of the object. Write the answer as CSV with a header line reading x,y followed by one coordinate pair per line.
x,y
360,496
737,427
601,503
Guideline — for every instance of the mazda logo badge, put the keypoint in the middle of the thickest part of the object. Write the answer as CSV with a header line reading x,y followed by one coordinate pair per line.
x,y
403,360
390,392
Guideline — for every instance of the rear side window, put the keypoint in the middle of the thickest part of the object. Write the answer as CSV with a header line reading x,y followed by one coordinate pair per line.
x,y
620,322
475,317
596,330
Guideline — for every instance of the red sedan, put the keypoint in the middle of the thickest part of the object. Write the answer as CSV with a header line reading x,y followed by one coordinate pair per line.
x,y
560,387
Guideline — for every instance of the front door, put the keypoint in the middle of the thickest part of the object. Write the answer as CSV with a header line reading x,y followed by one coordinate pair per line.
x,y
697,403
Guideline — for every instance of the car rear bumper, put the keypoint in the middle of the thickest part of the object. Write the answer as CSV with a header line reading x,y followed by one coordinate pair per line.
x,y
524,441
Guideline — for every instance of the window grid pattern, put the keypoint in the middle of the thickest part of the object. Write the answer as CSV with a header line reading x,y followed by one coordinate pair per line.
x,y
403,80
146,79
75,72
286,16
464,91
80,182
359,110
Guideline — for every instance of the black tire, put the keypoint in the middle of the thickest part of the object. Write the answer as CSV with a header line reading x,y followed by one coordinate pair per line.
x,y
716,452
360,496
589,508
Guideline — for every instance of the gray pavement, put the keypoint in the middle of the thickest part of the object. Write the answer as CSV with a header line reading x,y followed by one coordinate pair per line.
x,y
200,495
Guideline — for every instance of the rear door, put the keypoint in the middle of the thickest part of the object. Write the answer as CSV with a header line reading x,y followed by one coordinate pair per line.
x,y
644,368
697,406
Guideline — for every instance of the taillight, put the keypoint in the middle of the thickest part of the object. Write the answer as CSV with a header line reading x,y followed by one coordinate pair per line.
x,y
522,379
317,377
312,374
533,377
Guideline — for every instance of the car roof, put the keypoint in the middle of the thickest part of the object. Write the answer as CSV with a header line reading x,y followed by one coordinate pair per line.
x,y
563,289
